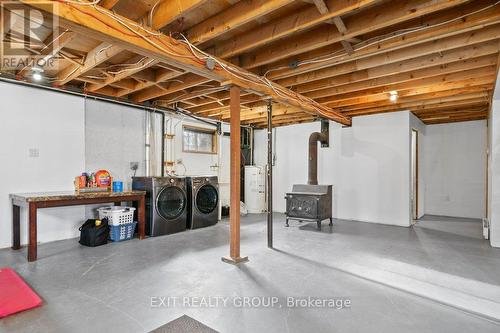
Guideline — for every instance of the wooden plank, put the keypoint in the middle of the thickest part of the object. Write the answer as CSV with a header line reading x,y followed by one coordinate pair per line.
x,y
94,58
138,63
160,75
461,69
380,17
235,181
167,11
390,63
339,24
186,95
427,88
178,84
287,25
321,5
475,23
418,97
233,17
450,96
419,106
341,27
108,4
60,41
97,22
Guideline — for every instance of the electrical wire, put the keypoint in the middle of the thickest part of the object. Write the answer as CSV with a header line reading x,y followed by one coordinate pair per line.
x,y
133,68
249,77
202,57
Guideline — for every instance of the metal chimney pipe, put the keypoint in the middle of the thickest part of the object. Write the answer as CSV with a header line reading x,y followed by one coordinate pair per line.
x,y
314,138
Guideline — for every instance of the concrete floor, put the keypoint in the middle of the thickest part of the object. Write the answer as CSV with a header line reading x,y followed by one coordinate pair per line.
x,y
396,278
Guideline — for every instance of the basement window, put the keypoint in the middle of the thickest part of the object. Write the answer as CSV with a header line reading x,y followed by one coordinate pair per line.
x,y
199,140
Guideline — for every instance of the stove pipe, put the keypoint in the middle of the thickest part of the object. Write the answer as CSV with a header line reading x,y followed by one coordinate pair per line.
x,y
313,155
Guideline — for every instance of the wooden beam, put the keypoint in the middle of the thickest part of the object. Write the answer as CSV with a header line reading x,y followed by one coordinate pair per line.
x,y
100,24
57,44
138,63
343,29
187,95
339,23
177,84
97,56
367,69
391,63
419,106
167,11
108,4
456,70
160,75
425,98
440,97
321,5
379,17
233,17
474,24
235,175
284,26
425,88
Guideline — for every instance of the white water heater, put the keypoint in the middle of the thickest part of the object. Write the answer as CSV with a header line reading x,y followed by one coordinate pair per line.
x,y
255,189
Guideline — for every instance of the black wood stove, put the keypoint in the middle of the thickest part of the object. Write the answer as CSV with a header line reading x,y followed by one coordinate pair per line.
x,y
311,202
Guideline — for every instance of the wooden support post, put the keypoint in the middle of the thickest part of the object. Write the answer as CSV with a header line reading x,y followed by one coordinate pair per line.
x,y
234,213
270,175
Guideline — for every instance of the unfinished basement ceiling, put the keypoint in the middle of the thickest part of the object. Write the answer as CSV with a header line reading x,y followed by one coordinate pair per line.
x,y
440,57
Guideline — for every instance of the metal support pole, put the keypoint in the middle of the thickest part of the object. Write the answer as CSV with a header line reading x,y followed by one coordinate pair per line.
x,y
270,175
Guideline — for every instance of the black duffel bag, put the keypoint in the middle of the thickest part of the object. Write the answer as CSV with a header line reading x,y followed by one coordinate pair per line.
x,y
94,235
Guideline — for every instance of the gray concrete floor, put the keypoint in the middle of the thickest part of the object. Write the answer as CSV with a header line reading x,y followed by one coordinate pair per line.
x,y
109,289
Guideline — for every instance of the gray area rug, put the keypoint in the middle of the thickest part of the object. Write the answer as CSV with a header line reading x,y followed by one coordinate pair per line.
x,y
184,324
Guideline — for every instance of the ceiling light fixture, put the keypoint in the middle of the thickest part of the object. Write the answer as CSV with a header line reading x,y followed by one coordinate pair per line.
x,y
393,96
37,76
37,73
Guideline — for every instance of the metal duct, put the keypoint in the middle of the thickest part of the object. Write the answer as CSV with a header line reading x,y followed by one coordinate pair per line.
x,y
314,138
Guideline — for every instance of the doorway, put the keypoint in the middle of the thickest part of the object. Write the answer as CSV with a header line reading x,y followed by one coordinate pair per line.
x,y
414,174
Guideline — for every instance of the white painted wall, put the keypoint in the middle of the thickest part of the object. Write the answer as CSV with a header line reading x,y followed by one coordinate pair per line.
x,y
455,169
53,123
494,171
76,135
368,165
418,125
114,137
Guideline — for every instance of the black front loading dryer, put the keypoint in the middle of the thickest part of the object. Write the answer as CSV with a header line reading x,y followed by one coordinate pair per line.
x,y
203,196
166,203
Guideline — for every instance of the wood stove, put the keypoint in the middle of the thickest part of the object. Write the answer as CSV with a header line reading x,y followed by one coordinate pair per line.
x,y
311,202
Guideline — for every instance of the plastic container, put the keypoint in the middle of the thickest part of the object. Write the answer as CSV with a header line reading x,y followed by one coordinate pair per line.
x,y
117,186
118,233
117,215
103,178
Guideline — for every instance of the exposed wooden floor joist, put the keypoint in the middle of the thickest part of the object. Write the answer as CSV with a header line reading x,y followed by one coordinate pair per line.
x,y
341,58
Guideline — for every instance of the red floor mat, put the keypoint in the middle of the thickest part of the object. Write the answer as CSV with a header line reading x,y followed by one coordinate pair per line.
x,y
15,294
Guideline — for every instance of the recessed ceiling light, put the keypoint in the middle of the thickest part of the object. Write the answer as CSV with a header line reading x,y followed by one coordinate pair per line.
x,y
394,97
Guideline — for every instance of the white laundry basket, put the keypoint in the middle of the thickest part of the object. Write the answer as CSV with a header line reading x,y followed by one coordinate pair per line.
x,y
117,215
